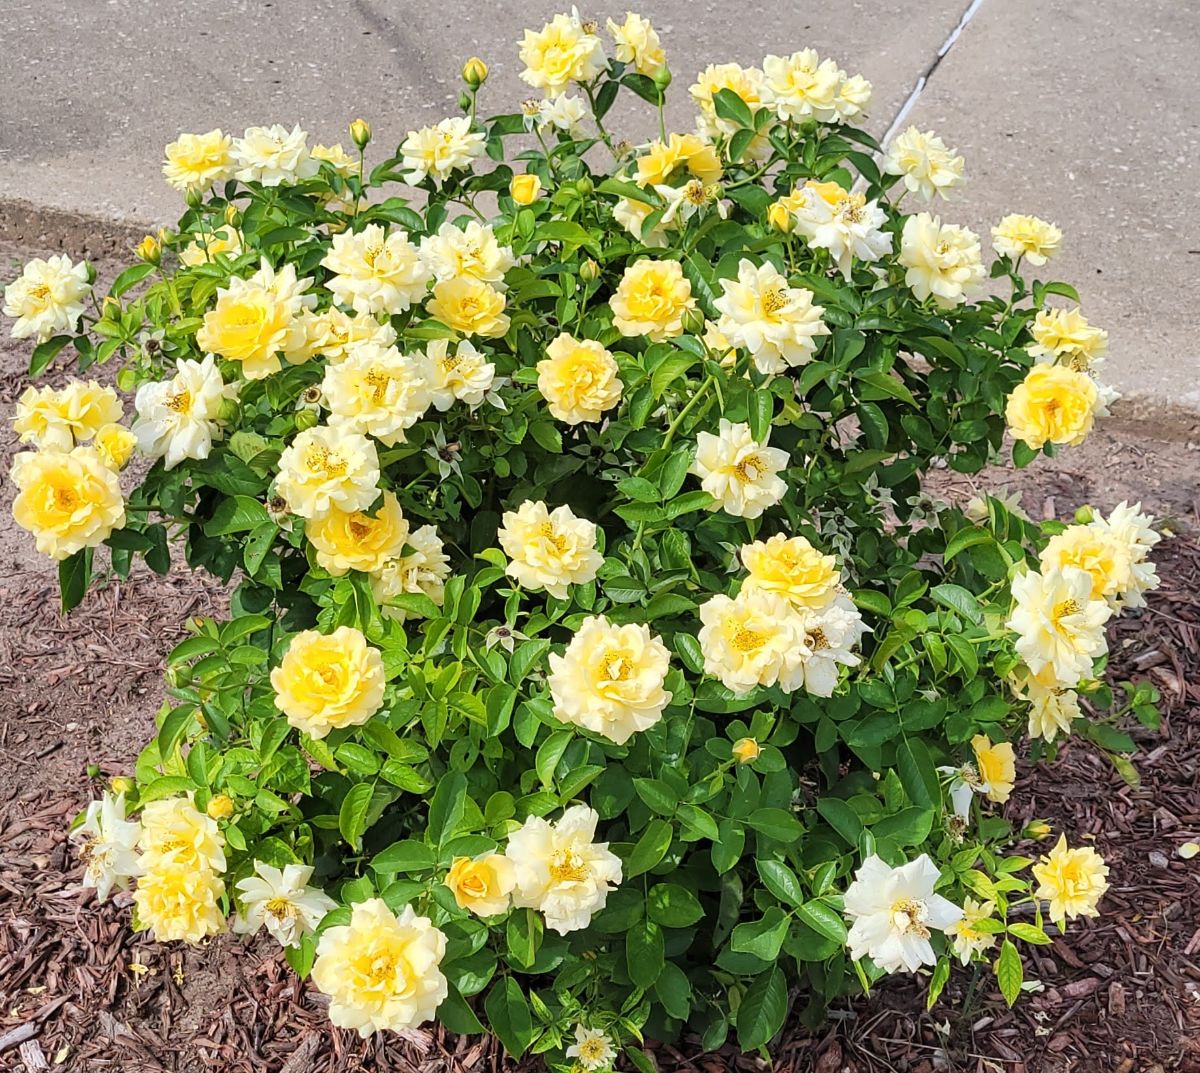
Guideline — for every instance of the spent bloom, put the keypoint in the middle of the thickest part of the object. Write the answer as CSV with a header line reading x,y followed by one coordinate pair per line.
x,y
549,549
740,473
107,845
281,901
893,912
47,297
924,163
965,937
991,775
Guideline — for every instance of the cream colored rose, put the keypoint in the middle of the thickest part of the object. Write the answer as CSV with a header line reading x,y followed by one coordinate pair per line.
x,y
375,272
942,261
377,391
562,52
549,550
610,679
1026,236
1064,337
177,418
328,681
579,379
47,297
652,300
470,250
435,152
422,569
922,160
1058,622
355,540
746,82
638,44
326,467
754,639
57,420
197,162
273,156
462,374
802,86
740,473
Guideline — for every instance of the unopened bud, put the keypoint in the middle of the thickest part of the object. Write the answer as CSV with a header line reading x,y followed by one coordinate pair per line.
x,y
746,750
111,307
220,807
780,218
360,133
464,101
150,250
475,72
1037,829
194,199
525,188
585,186
232,216
662,77
693,322
589,271
119,784
306,419
1085,516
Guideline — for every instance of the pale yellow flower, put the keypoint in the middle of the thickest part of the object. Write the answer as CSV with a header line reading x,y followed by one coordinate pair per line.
x,y
179,903
853,96
652,300
778,325
326,467
610,679
436,152
203,249
1060,626
964,937
381,971
525,189
1132,530
632,215
281,901
740,473
754,639
469,306
943,261
549,549
177,418
793,568
592,1048
470,250
474,72
273,156
687,151
220,807
1052,706
377,391
562,52
356,540
1064,337
746,750
746,82
196,162
997,767
375,272
1026,236
47,297
174,830
67,500
334,334
847,225
561,870
1071,881
107,845
423,569
718,344
579,379
57,420
482,885
328,681
803,86
463,374
337,158
114,444
564,113
927,167
638,44
1053,404
1096,550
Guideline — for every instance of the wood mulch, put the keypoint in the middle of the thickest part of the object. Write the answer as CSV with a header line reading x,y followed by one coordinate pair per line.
x,y
79,991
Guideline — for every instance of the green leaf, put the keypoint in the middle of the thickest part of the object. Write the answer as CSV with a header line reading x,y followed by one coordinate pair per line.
x,y
456,1016
941,974
130,278
673,906
762,407
917,772
549,753
657,794
823,919
405,856
447,807
908,827
236,515
958,599
761,938
763,1009
644,953
963,539
508,1016
1030,934
776,823
74,573
352,816
730,106
166,786
841,817
523,936
44,353
1009,972
649,849
781,881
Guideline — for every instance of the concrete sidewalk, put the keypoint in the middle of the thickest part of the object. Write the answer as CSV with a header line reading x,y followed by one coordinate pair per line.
x,y
1084,113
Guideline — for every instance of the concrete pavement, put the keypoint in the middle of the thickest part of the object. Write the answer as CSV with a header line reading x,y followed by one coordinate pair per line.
x,y
1084,113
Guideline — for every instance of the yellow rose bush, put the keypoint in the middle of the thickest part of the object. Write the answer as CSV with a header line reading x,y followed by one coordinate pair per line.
x,y
591,673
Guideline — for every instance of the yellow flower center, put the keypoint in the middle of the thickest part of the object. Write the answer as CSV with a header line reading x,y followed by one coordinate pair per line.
x,y
65,499
908,916
774,300
382,968
592,1049
850,208
1066,607
749,469
816,639
617,667
747,640
180,402
552,537
40,293
359,527
566,866
371,253
281,908
451,362
322,460
695,192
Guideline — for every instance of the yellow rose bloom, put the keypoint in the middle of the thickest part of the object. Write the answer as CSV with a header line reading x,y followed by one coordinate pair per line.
x,y
68,501
610,679
355,540
377,391
360,133
1026,236
423,568
175,831
793,568
746,750
375,272
1098,551
328,681
1064,336
688,151
652,299
1071,881
482,885
549,549
204,248
965,937
525,189
1053,404
249,325
114,444
327,467
755,639
943,261
337,158
803,86
997,767
220,807
579,379
463,375
58,420
562,52
469,306
922,160
746,82
740,473
638,44
475,72
632,216
436,152
47,297
334,334
273,156
778,325
1052,706
380,971
470,250
176,902
1060,626
196,162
